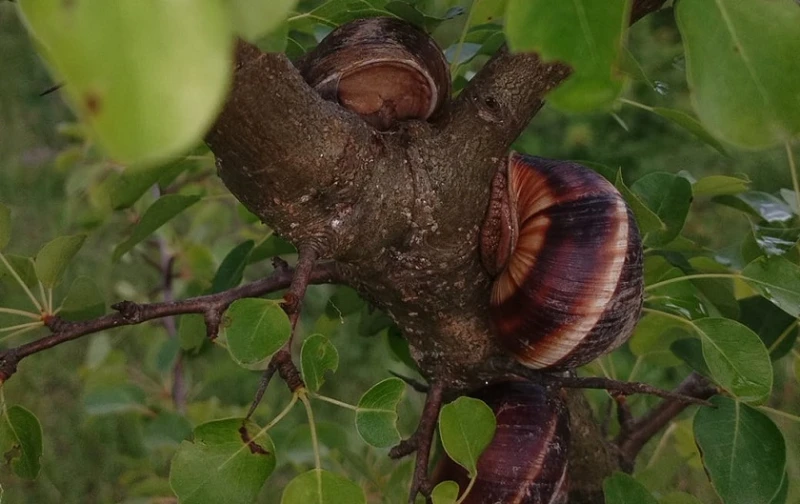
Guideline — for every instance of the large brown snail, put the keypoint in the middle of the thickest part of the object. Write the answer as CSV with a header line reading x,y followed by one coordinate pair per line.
x,y
384,69
526,462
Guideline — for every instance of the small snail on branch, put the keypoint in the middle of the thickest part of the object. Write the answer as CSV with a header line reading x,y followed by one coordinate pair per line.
x,y
383,69
526,462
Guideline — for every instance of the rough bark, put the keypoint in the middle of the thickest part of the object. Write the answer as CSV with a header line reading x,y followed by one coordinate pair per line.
x,y
400,211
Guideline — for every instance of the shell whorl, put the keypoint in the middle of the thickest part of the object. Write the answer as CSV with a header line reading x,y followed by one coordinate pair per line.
x,y
384,69
572,285
526,461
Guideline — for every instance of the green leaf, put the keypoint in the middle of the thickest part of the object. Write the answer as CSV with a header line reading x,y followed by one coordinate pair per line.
x,y
192,332
52,259
255,18
322,487
620,488
255,330
758,204
743,452
466,427
715,185
84,301
445,492
158,214
5,226
114,399
669,197
690,351
231,271
108,54
317,356
647,219
776,279
271,246
132,183
736,357
225,462
742,67
691,125
376,414
585,34
776,328
653,337
21,441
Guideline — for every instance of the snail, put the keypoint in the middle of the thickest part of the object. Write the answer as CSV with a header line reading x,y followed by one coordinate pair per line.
x,y
526,461
384,69
567,259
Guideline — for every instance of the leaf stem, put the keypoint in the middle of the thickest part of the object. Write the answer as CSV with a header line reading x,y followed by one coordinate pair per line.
x,y
793,171
21,313
636,104
279,417
468,489
22,326
20,282
302,394
455,64
50,300
782,337
334,401
43,297
691,277
20,332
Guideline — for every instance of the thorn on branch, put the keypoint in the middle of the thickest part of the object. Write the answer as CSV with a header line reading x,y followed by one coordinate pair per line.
x,y
287,370
417,385
266,377
129,310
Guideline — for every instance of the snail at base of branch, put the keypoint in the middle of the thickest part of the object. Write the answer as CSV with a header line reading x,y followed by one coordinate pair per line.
x,y
526,461
567,258
383,69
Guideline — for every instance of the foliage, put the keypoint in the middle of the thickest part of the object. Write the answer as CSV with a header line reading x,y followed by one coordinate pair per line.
x,y
722,254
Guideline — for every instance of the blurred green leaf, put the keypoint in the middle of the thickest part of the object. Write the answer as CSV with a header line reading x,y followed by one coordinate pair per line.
x,y
225,462
466,427
758,204
620,488
113,399
678,498
653,336
690,351
322,487
272,246
737,358
714,185
192,332
84,301
166,430
54,257
669,197
345,301
109,77
693,126
584,34
445,492
21,441
231,271
317,356
255,330
743,452
158,214
5,226
255,18
376,415
131,184
777,280
742,67
399,347
775,241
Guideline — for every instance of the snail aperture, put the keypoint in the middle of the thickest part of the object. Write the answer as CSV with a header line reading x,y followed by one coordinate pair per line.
x,y
568,258
526,461
384,69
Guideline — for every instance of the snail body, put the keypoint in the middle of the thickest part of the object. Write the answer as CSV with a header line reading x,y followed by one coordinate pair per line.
x,y
526,461
567,256
384,69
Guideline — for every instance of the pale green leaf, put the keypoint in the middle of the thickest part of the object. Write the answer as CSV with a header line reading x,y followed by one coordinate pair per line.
x,y
620,488
322,487
158,214
255,329
466,427
52,259
317,356
21,441
376,414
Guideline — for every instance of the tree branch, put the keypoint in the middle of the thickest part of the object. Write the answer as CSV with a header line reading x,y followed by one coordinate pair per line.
x,y
639,433
130,313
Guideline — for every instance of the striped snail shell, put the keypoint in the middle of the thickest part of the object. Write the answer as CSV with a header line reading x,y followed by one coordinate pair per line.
x,y
384,69
567,256
526,461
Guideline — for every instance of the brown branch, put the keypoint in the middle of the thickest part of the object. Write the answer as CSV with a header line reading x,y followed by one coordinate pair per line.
x,y
130,313
639,432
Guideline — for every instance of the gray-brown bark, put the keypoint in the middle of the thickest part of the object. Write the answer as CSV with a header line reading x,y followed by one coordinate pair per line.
x,y
399,211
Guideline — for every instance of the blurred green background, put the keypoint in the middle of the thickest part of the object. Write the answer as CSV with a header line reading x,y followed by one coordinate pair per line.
x,y
124,457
